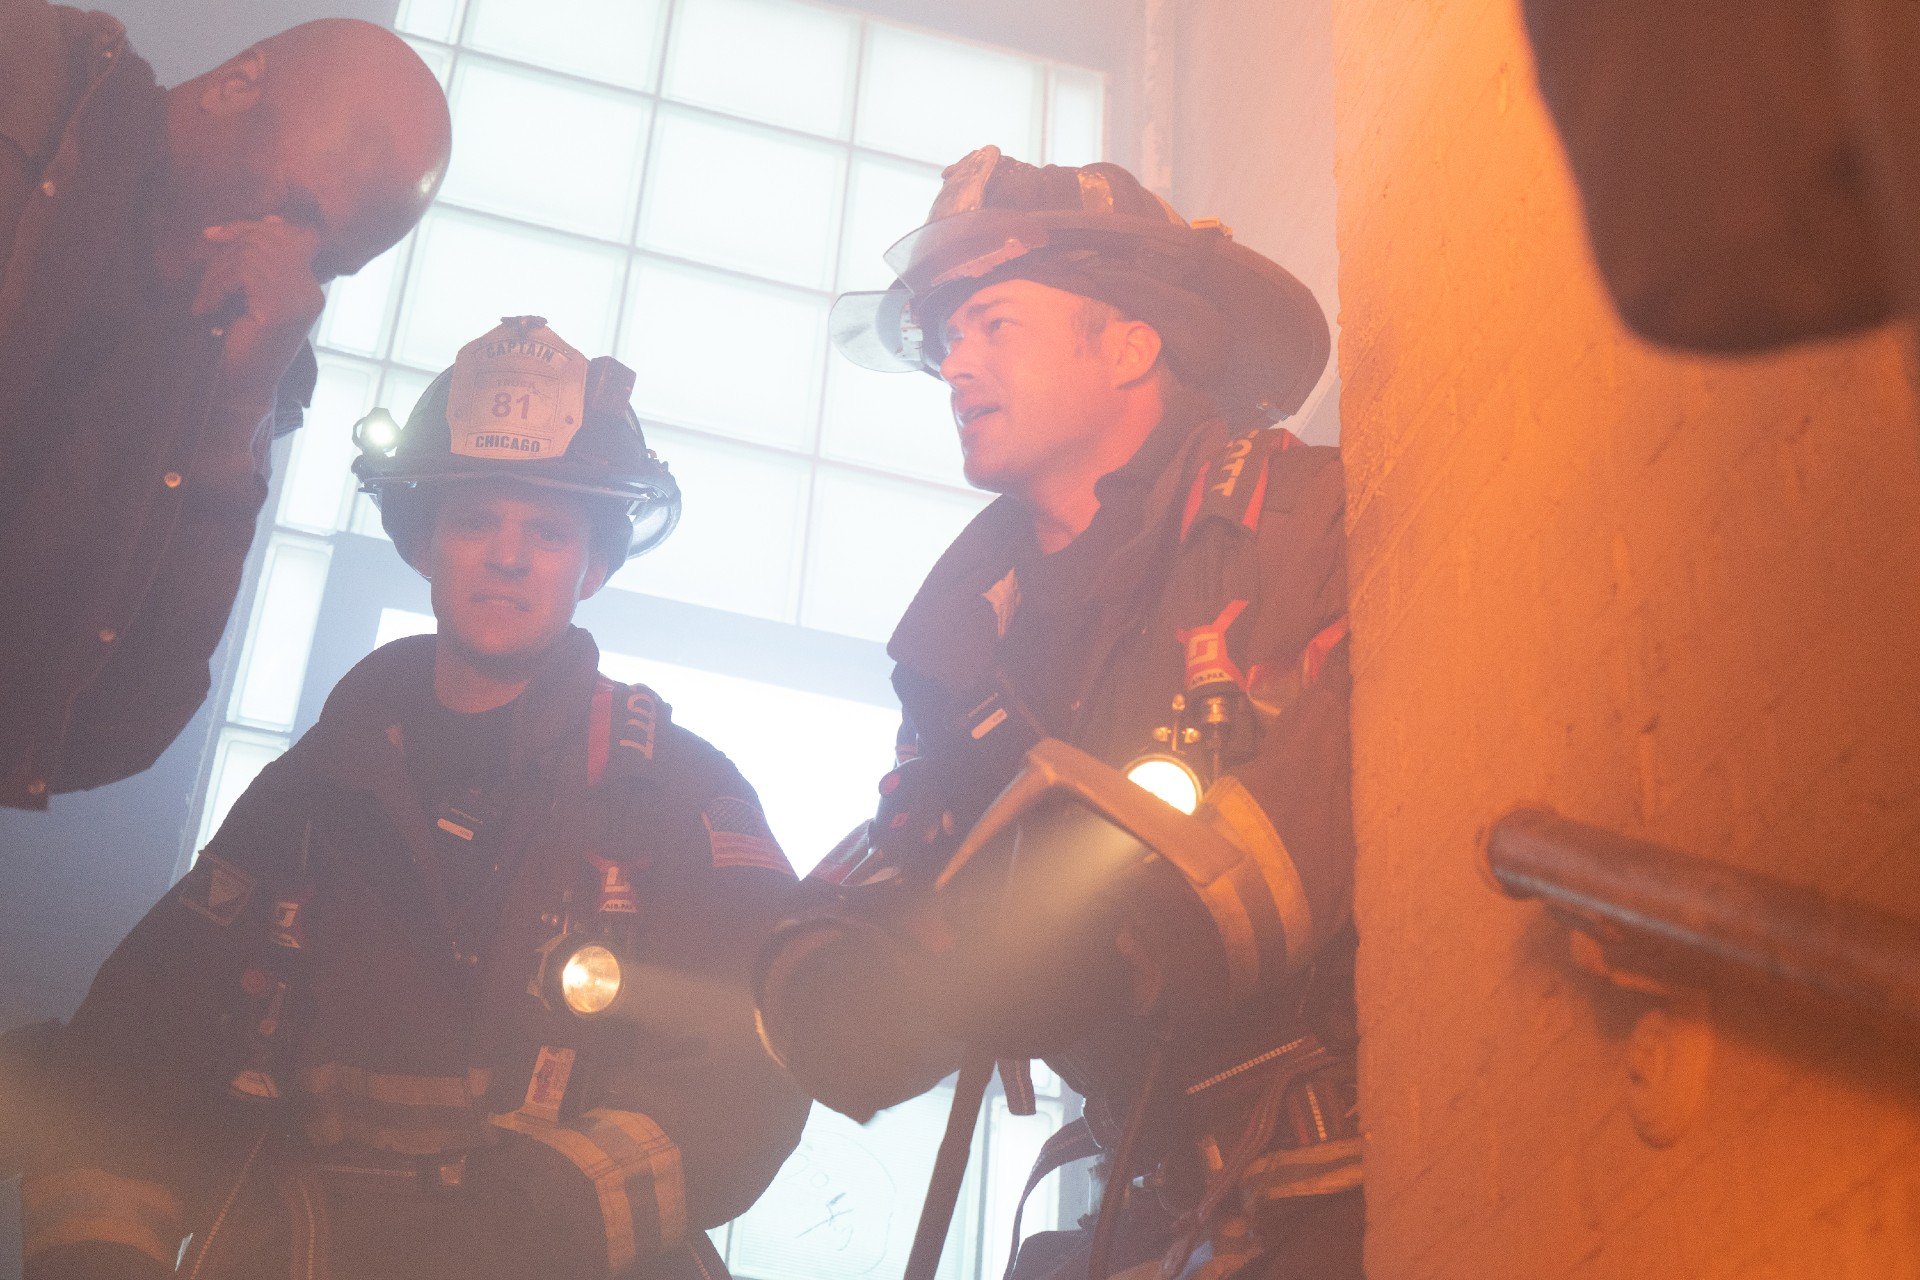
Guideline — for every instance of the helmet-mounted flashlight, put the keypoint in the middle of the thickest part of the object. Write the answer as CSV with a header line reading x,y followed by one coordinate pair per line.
x,y
377,434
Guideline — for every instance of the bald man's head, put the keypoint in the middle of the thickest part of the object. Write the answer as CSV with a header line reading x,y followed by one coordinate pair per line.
x,y
335,124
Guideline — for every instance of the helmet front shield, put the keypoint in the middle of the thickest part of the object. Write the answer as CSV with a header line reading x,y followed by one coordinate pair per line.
x,y
521,405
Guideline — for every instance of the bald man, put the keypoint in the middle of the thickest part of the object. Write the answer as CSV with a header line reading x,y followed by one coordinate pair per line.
x,y
162,254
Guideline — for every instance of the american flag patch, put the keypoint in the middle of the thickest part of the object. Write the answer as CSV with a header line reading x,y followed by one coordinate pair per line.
x,y
740,836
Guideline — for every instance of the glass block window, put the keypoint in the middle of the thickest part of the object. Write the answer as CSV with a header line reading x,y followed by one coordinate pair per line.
x,y
845,1204
686,184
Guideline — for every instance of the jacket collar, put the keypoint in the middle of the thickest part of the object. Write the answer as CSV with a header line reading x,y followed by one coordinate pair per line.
x,y
358,746
357,741
949,634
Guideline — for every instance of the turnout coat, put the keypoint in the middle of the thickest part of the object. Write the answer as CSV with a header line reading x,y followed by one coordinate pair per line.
x,y
434,1117
1209,531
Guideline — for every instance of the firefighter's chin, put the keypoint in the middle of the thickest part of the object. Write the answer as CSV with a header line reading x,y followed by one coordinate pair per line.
x,y
501,642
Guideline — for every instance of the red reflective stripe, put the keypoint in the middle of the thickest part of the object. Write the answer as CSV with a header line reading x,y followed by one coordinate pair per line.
x,y
1258,500
1315,656
599,730
1194,496
1208,658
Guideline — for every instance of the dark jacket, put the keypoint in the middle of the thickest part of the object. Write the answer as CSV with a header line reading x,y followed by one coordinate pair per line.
x,y
120,551
1089,640
437,1117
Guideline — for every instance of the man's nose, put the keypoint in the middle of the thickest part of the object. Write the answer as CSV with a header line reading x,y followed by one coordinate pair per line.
x,y
507,550
955,367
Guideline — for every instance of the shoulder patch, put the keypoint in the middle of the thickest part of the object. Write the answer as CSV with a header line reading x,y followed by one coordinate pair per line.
x,y
740,837
216,889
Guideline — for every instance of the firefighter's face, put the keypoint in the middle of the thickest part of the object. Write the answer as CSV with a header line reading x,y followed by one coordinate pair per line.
x,y
508,564
1034,391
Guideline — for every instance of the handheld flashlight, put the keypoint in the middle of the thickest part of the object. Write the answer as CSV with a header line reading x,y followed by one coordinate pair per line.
x,y
1167,778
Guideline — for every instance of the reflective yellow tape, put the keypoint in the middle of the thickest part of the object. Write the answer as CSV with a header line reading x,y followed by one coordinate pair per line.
x,y
1222,899
1318,1170
412,1115
608,1180
1245,823
401,1090
86,1206
658,1156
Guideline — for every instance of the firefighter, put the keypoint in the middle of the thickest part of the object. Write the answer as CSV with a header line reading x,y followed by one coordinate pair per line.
x,y
163,252
458,988
1160,585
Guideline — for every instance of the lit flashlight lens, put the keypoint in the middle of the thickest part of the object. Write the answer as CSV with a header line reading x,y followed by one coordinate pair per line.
x,y
377,432
1168,780
590,980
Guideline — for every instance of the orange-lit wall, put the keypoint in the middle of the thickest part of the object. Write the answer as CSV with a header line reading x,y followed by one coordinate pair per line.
x,y
1675,597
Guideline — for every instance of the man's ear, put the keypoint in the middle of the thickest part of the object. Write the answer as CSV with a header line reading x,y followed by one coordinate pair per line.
x,y
235,86
1135,349
598,571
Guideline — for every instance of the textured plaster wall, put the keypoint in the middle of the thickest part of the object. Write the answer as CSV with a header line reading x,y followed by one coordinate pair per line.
x,y
1676,597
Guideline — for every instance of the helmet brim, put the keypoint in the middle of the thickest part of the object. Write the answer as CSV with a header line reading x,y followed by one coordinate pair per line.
x,y
1280,338
654,500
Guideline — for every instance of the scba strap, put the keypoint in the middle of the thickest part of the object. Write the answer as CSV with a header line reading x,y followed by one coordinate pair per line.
x,y
1233,487
1226,499
622,732
1230,494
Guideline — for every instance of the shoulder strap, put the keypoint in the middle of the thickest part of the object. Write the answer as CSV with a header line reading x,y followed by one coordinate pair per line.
x,y
1210,557
1232,488
1218,565
1070,1142
623,730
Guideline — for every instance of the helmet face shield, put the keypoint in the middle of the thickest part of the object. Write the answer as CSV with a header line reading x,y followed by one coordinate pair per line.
x,y
899,329
874,331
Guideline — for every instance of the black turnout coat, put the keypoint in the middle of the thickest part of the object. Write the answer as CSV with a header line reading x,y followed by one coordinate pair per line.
x,y
1090,641
435,1116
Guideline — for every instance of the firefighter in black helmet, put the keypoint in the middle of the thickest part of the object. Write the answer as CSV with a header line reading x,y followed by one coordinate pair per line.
x,y
521,404
458,989
1156,601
